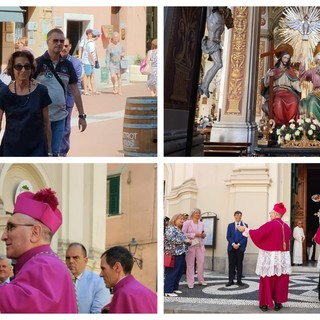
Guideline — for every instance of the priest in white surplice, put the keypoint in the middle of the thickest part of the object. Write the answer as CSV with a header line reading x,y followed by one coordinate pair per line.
x,y
299,237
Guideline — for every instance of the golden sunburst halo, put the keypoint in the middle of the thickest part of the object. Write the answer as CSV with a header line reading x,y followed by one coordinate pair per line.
x,y
300,27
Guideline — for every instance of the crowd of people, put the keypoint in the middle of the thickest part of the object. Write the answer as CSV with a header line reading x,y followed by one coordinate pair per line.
x,y
183,243
37,95
34,102
40,282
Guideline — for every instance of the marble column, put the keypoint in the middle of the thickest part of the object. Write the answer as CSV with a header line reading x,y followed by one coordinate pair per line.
x,y
237,98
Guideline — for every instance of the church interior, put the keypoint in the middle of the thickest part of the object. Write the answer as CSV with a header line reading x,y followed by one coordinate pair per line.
x,y
241,81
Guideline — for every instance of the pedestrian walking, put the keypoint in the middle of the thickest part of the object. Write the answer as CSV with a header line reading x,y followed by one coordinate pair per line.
x,y
24,102
114,55
56,74
65,53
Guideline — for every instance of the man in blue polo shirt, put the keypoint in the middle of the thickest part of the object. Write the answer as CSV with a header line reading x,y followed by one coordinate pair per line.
x,y
57,73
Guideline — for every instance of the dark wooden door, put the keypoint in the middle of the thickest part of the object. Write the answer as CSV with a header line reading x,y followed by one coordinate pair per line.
x,y
184,29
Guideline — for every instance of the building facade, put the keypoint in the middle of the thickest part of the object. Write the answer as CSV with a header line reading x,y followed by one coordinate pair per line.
x,y
82,193
137,27
252,188
135,218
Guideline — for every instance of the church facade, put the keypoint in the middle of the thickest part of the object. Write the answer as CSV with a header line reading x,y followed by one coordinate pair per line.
x,y
84,194
253,188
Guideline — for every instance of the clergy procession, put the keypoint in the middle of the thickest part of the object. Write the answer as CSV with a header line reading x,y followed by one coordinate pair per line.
x,y
40,282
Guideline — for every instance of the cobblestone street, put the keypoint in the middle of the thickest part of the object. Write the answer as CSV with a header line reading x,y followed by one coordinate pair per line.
x,y
216,298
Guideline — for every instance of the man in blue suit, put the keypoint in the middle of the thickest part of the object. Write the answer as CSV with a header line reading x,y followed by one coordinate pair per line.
x,y
237,244
92,294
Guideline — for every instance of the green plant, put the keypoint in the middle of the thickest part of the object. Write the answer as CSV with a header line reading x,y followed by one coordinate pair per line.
x,y
137,59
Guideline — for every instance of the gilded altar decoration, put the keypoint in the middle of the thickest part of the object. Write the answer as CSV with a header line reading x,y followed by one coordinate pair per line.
x,y
237,60
266,127
303,133
300,27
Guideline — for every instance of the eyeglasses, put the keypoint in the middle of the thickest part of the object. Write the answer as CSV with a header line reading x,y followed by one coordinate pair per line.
x,y
10,226
66,45
19,67
58,40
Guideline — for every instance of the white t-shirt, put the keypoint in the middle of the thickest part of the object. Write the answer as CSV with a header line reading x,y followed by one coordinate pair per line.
x,y
88,46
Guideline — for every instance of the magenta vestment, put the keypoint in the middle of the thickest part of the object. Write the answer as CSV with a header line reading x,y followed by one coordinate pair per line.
x,y
317,236
42,284
130,296
269,237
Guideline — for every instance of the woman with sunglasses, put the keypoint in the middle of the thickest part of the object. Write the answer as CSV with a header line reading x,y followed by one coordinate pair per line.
x,y
25,105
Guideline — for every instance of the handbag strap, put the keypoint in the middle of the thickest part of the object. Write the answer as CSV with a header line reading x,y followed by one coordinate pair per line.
x,y
49,64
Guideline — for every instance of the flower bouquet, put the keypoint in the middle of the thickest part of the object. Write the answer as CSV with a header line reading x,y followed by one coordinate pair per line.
x,y
303,133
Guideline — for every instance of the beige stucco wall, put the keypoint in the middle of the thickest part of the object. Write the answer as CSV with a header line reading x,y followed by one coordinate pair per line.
x,y
132,19
81,192
252,188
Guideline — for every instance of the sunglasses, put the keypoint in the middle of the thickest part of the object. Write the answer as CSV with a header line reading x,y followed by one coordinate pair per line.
x,y
19,67
57,40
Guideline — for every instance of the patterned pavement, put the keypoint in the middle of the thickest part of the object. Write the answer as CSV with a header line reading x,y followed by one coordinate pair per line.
x,y
216,298
105,112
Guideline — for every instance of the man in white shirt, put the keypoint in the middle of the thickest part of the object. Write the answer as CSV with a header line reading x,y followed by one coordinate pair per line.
x,y
5,269
88,56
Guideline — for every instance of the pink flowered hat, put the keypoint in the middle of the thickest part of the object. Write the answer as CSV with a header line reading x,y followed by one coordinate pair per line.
x,y
41,206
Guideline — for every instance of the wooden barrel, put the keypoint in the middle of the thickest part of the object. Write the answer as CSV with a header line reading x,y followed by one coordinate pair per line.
x,y
140,127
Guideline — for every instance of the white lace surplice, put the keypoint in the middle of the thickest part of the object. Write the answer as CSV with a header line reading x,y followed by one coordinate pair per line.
x,y
271,263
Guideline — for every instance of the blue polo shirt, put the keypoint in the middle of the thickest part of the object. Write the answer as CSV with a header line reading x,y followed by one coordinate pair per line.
x,y
65,71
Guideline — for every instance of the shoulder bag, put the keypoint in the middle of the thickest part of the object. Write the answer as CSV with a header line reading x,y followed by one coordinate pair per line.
x,y
144,67
124,64
168,260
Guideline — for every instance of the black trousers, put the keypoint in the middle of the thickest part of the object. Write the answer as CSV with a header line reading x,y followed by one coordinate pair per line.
x,y
319,288
235,258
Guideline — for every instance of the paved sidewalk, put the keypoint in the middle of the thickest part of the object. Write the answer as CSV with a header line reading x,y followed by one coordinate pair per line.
x,y
216,298
105,112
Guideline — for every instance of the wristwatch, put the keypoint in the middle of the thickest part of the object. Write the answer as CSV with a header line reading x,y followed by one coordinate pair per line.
x,y
82,116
